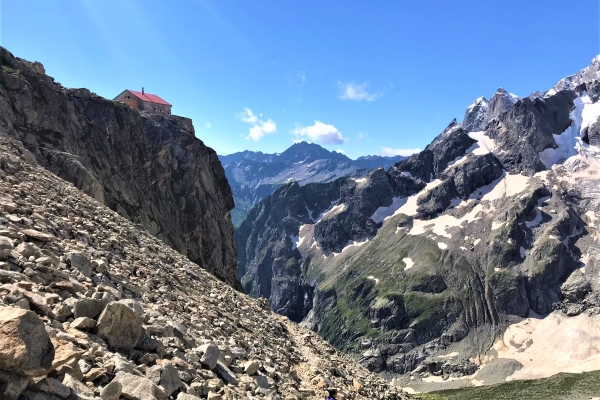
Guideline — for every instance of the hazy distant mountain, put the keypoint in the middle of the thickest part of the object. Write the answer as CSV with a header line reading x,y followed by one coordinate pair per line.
x,y
254,175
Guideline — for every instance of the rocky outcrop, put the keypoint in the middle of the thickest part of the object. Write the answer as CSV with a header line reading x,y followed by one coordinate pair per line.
x,y
150,169
151,325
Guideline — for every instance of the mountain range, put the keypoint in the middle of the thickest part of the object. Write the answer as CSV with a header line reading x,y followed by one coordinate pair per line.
x,y
468,263
254,175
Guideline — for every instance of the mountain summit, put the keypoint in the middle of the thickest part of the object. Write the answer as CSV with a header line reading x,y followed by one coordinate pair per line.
x,y
254,175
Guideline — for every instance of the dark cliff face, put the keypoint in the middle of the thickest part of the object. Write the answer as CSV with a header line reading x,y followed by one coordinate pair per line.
x,y
149,168
475,231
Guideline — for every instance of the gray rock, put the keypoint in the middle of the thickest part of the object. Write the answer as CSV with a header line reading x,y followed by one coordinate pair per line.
x,y
6,246
90,308
210,356
80,262
53,387
83,323
262,381
77,387
28,250
134,305
225,373
112,391
12,385
29,395
138,388
185,396
119,326
251,367
165,376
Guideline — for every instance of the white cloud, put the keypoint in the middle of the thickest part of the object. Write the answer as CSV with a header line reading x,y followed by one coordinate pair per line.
x,y
320,133
356,91
259,127
248,116
208,125
387,151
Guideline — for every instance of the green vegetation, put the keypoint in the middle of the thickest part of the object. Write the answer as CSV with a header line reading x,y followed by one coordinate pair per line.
x,y
10,70
560,386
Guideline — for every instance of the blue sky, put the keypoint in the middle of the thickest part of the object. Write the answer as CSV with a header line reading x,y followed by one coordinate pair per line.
x,y
366,77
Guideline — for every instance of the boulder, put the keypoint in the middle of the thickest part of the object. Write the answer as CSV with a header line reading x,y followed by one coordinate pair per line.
x,y
83,323
251,367
53,387
112,391
87,307
138,388
77,387
37,235
12,385
80,262
134,305
28,249
119,326
6,246
211,355
185,396
25,347
165,376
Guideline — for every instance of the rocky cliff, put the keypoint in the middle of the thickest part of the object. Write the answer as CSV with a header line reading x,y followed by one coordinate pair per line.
x,y
424,268
150,169
92,307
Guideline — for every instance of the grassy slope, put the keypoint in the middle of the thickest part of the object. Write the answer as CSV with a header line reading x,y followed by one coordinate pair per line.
x,y
382,258
561,386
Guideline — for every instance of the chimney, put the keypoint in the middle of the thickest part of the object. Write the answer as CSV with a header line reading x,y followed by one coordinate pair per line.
x,y
142,90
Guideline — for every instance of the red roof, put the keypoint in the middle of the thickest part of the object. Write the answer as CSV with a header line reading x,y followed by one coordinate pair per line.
x,y
151,98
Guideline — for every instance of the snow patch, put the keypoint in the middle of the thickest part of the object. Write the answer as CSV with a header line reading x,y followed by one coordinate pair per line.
x,y
351,244
409,263
383,212
410,206
554,344
485,144
371,277
496,225
442,245
360,180
505,186
334,210
583,115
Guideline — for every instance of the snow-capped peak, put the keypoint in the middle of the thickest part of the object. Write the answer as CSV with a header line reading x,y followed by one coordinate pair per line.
x,y
481,101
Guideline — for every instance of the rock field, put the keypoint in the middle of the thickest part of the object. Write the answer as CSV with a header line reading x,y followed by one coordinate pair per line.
x,y
92,307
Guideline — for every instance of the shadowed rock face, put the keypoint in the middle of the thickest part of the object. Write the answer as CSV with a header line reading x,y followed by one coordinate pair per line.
x,y
151,169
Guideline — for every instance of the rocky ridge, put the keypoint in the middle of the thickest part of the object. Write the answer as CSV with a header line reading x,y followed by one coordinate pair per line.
x,y
151,169
91,307
255,175
421,269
